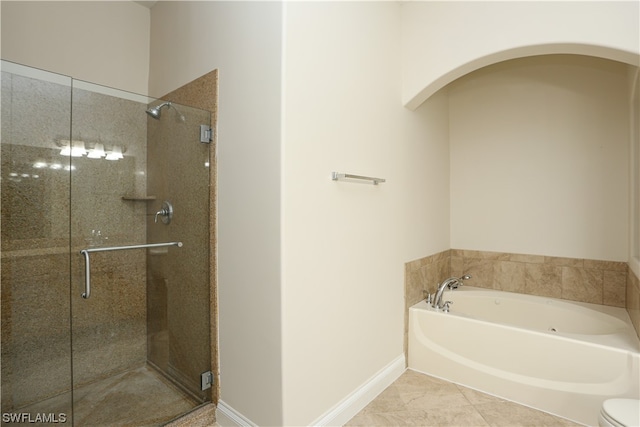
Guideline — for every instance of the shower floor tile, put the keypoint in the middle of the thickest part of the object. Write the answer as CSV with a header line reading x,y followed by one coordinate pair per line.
x,y
136,398
417,399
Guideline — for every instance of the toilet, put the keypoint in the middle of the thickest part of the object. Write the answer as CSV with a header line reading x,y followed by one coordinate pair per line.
x,y
620,413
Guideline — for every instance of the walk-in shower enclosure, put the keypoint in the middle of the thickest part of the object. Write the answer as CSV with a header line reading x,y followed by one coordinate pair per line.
x,y
83,168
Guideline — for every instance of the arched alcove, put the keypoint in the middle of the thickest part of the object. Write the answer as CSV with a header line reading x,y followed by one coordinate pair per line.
x,y
449,76
442,41
539,155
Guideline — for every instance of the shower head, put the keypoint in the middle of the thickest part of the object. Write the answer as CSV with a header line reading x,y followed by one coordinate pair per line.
x,y
155,111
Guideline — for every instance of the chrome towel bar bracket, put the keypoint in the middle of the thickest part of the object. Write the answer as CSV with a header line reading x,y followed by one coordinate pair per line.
x,y
337,176
87,264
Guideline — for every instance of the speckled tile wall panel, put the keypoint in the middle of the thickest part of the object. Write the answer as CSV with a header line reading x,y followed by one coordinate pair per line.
x,y
35,193
36,355
109,328
109,333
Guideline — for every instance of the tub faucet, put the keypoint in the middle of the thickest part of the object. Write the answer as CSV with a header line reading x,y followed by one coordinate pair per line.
x,y
451,283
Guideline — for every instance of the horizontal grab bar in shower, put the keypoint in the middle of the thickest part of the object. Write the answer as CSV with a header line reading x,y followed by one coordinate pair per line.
x,y
336,176
87,265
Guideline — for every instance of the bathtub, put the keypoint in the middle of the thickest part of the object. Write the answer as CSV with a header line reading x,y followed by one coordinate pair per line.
x,y
561,357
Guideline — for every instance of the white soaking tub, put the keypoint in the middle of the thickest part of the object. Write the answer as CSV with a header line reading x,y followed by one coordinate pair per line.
x,y
561,357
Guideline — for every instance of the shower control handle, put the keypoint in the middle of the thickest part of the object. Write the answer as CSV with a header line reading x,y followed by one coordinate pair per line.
x,y
166,213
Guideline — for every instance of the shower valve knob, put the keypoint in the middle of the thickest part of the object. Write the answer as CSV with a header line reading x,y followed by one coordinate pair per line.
x,y
166,213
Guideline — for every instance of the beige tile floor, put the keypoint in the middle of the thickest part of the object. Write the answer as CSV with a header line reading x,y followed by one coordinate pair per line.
x,y
416,399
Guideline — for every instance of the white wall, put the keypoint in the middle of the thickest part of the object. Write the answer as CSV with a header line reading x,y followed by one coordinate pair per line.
x,y
243,41
345,244
539,158
445,40
103,42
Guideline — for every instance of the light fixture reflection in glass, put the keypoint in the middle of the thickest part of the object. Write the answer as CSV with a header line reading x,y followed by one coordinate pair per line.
x,y
115,154
97,152
66,149
73,148
78,149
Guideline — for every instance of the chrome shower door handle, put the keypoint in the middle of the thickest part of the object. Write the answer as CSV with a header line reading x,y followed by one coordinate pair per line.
x,y
166,213
87,274
87,264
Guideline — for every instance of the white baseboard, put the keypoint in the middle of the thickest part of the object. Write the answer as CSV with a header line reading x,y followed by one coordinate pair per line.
x,y
346,409
226,416
363,395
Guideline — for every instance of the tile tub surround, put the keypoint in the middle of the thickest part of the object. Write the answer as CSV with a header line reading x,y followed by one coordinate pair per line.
x,y
599,282
418,275
574,279
633,300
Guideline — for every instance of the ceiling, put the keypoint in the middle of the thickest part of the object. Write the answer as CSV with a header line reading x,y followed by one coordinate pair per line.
x,y
148,4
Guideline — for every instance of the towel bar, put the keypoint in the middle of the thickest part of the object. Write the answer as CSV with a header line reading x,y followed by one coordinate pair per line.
x,y
337,176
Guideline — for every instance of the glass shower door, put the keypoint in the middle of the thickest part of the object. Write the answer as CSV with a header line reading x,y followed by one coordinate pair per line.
x,y
178,283
35,339
140,330
83,170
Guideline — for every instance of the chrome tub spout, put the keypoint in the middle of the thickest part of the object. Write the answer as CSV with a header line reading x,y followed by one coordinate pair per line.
x,y
450,283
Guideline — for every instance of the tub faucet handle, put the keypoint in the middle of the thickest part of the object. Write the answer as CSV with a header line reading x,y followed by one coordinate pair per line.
x,y
445,306
428,297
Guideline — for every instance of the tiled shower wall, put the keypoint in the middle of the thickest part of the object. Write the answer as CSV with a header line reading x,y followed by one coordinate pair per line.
x,y
593,281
